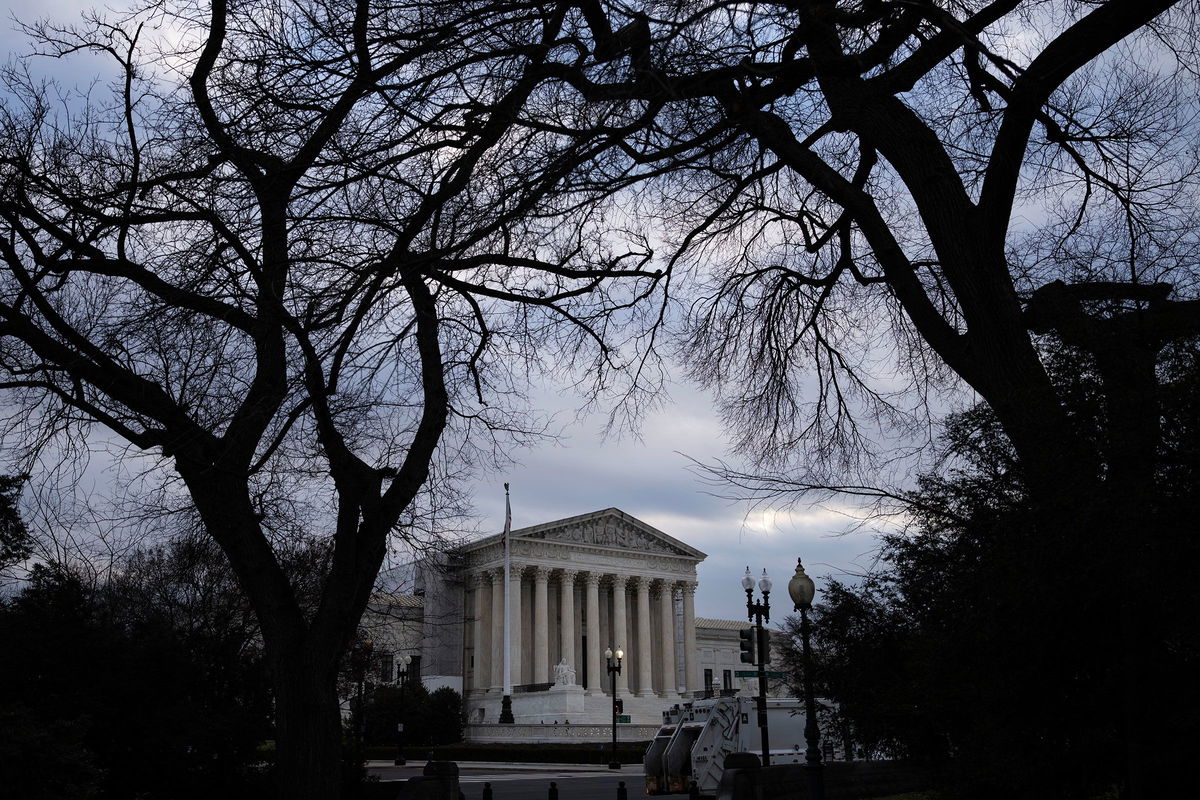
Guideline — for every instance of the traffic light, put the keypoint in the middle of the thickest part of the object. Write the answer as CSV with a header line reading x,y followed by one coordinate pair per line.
x,y
765,646
620,705
746,635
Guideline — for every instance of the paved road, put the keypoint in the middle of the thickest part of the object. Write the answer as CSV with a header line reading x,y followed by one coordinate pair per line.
x,y
576,786
534,784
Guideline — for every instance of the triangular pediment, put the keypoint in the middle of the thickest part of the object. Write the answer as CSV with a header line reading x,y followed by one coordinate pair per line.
x,y
610,528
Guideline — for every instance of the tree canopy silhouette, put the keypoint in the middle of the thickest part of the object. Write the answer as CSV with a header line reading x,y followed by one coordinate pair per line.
x,y
290,251
887,197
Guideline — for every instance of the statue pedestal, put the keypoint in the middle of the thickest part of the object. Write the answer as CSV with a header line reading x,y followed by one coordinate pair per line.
x,y
559,703
578,717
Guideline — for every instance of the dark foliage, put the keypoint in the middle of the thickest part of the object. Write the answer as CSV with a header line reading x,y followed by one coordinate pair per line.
x,y
15,543
985,644
141,687
43,758
591,753
445,722
430,718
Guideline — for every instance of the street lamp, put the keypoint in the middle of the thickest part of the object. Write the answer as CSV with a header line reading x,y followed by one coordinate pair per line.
x,y
402,678
614,669
802,589
756,613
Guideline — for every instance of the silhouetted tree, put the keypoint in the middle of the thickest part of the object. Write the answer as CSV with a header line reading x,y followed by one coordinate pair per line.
x,y
865,659
937,188
296,248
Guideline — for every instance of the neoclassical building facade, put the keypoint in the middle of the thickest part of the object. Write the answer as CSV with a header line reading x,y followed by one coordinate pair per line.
x,y
578,586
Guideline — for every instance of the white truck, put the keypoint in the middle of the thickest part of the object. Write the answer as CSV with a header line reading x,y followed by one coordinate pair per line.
x,y
696,737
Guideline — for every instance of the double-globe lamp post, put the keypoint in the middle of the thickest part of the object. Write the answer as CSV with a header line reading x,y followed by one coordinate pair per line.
x,y
614,669
402,678
757,612
802,589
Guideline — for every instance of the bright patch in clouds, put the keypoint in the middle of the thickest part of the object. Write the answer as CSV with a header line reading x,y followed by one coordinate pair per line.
x,y
804,522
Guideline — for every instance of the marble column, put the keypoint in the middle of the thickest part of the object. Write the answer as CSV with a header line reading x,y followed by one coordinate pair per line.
x,y
595,680
691,659
668,679
541,625
645,682
620,632
481,674
497,642
514,623
566,610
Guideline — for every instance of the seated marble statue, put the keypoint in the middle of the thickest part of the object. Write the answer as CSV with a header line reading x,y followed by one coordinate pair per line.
x,y
564,674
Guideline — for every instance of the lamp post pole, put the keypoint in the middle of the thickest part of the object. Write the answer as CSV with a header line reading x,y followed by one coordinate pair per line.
x,y
756,612
360,661
401,677
614,669
802,589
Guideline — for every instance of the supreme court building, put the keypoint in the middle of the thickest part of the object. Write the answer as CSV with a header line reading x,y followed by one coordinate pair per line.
x,y
576,587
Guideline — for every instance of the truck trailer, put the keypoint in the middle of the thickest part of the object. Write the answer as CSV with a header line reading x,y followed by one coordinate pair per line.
x,y
705,731
652,761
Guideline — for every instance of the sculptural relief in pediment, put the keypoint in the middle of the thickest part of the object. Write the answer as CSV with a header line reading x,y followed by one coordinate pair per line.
x,y
608,532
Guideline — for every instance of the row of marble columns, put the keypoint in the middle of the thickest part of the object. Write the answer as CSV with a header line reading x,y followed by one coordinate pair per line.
x,y
642,650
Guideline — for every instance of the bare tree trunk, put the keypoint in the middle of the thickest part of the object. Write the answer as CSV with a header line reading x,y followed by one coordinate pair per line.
x,y
1133,512
303,668
309,730
1105,518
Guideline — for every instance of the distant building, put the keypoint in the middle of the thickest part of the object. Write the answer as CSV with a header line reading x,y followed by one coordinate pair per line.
x,y
394,623
720,660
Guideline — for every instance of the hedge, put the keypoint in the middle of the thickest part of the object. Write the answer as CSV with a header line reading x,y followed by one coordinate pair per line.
x,y
583,753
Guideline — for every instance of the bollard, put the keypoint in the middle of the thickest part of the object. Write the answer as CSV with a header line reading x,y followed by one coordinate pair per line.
x,y
438,781
622,792
487,791
553,794
693,791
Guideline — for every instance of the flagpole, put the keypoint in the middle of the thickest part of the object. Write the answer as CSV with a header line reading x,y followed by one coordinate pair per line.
x,y
506,715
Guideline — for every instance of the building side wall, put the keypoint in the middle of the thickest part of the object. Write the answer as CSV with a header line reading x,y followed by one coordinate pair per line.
x,y
720,650
443,630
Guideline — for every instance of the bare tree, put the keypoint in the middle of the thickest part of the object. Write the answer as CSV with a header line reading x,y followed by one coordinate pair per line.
x,y
940,188
297,247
